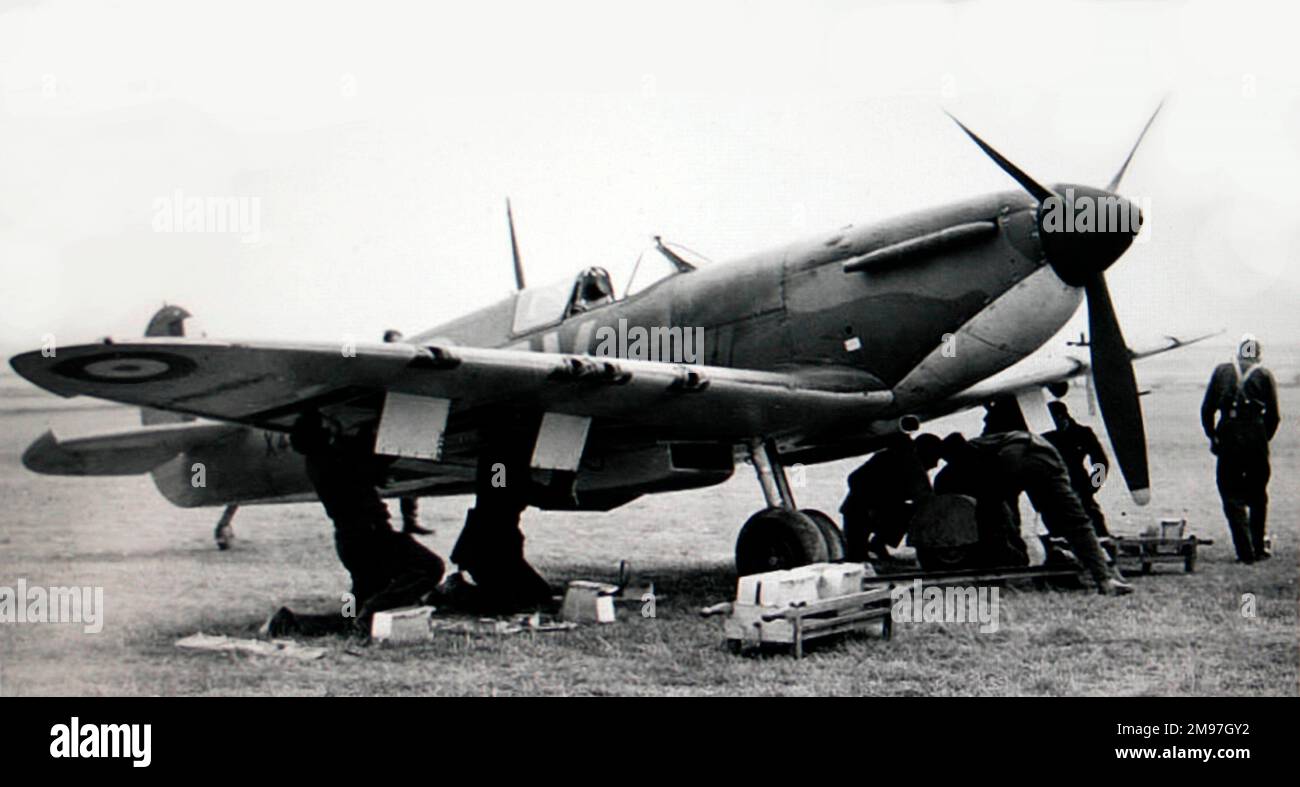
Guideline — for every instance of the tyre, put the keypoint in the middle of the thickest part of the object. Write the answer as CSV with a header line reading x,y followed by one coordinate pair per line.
x,y
775,539
831,534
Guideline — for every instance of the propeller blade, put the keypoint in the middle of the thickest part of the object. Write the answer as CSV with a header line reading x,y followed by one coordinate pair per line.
x,y
514,248
1117,391
1038,190
1114,182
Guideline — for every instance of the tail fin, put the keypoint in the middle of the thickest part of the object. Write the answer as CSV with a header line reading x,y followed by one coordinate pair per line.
x,y
167,321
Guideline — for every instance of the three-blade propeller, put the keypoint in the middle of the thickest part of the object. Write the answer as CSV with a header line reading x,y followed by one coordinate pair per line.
x,y
1080,257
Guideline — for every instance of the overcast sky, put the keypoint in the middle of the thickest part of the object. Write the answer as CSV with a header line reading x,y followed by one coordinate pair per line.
x,y
380,141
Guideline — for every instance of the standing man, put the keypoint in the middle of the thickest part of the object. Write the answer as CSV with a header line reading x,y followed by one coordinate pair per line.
x,y
410,506
1243,395
884,493
1077,443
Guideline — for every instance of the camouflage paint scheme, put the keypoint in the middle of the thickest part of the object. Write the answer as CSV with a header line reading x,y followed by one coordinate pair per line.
x,y
989,296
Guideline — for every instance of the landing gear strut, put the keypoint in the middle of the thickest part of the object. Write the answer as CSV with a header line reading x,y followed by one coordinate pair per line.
x,y
781,536
225,533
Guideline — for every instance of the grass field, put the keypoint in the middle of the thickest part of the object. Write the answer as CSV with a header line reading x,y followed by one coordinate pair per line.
x,y
163,579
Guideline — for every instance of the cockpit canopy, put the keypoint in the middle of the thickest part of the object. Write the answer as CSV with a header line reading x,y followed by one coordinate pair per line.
x,y
549,304
659,262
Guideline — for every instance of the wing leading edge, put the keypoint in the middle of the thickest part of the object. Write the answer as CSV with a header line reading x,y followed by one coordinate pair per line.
x,y
266,385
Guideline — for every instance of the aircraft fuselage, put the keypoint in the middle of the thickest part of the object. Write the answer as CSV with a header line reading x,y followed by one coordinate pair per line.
x,y
923,305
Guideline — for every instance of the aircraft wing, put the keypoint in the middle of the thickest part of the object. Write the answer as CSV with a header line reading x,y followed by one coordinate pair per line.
x,y
267,385
1032,375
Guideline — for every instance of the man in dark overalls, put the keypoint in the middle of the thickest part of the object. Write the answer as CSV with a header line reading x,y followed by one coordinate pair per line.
x,y
1008,463
1002,414
388,569
884,494
490,549
1077,443
997,519
1243,396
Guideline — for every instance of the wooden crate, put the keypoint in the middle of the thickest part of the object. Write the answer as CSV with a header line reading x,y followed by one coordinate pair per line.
x,y
754,624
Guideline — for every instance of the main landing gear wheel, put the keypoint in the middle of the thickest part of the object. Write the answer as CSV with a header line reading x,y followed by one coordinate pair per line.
x,y
778,538
831,533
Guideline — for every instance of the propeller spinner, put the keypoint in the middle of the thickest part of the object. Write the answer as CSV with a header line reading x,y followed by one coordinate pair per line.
x,y
1080,256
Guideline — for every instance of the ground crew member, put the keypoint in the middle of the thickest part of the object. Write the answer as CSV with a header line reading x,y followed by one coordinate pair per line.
x,y
1003,414
1009,463
884,494
410,506
1243,395
1075,443
490,548
997,518
388,569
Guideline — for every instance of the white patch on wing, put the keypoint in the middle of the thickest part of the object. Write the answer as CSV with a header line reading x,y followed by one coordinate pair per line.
x,y
560,441
412,426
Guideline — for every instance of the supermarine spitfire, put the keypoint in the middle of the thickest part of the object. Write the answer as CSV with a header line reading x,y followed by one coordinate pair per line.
x,y
812,352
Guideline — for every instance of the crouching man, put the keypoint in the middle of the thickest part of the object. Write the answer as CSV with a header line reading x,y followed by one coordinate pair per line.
x,y
884,494
1015,462
389,569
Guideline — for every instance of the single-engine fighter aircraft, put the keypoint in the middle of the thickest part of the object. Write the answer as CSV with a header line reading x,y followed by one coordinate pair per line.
x,y
810,353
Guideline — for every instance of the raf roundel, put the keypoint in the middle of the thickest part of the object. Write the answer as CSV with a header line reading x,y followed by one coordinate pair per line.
x,y
127,367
